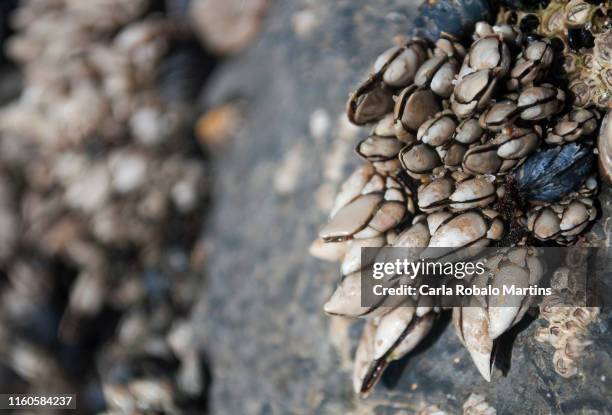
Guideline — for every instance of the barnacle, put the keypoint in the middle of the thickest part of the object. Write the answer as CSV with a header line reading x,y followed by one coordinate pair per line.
x,y
104,178
604,145
500,150
477,405
568,324
582,30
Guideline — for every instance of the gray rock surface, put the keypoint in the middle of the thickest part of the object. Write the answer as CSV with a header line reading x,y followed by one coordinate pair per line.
x,y
262,326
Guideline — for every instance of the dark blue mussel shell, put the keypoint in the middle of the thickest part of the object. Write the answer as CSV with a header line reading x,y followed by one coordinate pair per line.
x,y
549,175
456,17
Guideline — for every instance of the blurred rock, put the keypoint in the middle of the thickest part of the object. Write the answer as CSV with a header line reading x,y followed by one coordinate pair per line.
x,y
102,195
227,26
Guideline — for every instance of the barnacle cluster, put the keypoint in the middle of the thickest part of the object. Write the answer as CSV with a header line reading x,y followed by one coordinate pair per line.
x,y
473,145
102,197
567,330
581,31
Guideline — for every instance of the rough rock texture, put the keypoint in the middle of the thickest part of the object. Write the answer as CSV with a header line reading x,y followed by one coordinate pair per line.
x,y
262,325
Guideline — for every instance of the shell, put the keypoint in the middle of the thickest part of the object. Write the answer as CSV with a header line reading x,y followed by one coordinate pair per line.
x,y
382,152
464,229
469,131
604,145
413,106
419,160
395,335
472,193
435,194
352,218
499,115
415,236
487,61
560,222
532,65
364,355
367,206
438,130
351,261
578,123
346,299
397,66
549,175
479,323
540,102
353,186
438,73
517,142
483,159
473,92
444,193
370,102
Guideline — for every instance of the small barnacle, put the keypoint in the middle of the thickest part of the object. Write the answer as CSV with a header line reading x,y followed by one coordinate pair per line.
x,y
568,325
477,405
370,102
